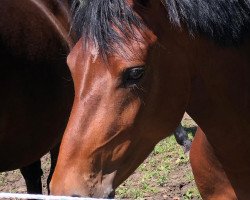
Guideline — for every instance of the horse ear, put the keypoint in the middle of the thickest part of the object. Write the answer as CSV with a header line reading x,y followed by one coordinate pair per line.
x,y
143,2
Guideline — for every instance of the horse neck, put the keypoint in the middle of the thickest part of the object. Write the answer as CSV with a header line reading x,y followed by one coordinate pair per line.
x,y
58,12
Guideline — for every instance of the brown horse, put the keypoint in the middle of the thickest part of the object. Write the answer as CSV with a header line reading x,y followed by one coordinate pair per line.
x,y
141,64
36,87
210,176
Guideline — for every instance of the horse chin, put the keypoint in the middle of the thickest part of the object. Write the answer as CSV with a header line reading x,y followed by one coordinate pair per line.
x,y
105,189
106,193
112,195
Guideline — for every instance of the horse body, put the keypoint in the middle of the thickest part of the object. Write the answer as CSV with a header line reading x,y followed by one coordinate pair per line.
x,y
219,104
36,91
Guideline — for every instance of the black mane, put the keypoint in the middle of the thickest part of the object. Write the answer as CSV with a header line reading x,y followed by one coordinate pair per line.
x,y
93,18
225,21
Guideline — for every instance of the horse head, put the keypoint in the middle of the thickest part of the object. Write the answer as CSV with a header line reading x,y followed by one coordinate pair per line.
x,y
131,91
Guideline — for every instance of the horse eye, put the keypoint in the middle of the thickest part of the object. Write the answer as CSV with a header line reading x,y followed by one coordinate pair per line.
x,y
133,75
143,2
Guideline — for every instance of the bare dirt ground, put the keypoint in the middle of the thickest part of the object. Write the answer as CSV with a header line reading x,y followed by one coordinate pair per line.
x,y
13,181
165,174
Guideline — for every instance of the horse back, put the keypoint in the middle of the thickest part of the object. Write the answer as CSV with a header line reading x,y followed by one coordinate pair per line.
x,y
30,27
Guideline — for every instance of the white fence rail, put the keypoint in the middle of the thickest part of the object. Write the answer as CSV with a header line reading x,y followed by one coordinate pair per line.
x,y
42,197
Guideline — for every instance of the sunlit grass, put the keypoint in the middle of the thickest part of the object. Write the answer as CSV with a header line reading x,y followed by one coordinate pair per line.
x,y
153,174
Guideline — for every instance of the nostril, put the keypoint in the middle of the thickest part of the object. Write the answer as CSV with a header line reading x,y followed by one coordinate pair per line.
x,y
75,195
111,195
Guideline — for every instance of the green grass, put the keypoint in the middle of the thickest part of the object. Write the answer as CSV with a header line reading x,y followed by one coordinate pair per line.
x,y
191,194
153,175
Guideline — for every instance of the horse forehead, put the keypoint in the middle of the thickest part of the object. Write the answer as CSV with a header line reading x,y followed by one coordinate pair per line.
x,y
79,54
130,53
135,49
